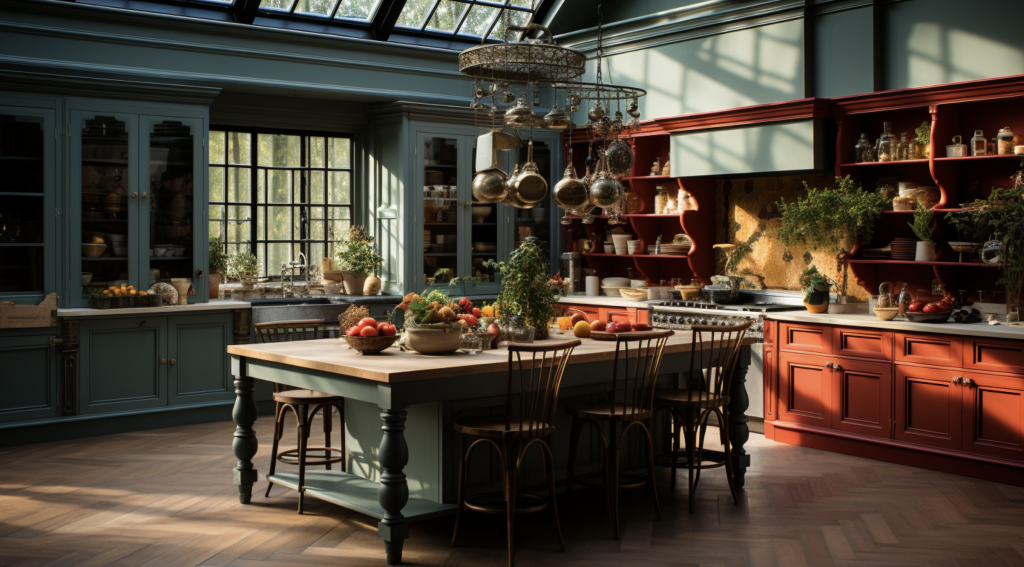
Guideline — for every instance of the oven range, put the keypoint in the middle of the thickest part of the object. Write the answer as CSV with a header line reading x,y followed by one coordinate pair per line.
x,y
679,314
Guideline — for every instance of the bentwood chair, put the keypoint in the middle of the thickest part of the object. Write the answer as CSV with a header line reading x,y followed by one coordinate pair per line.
x,y
530,401
715,352
299,403
630,404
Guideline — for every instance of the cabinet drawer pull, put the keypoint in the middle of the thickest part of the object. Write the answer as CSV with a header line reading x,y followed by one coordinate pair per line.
x,y
143,194
142,324
174,361
966,382
957,380
135,195
163,361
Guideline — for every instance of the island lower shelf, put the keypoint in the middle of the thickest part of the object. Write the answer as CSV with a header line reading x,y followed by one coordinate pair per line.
x,y
359,494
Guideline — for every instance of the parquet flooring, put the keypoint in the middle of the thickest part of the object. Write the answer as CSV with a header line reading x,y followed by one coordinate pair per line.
x,y
165,498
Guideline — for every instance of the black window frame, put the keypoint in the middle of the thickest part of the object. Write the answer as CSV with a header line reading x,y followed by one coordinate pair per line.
x,y
256,208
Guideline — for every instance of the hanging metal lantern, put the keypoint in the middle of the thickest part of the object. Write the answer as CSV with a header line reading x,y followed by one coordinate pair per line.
x,y
490,186
619,157
557,119
520,115
605,191
596,112
570,193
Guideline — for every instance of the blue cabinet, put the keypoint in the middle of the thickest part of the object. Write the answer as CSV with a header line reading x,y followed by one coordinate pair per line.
x,y
140,363
28,378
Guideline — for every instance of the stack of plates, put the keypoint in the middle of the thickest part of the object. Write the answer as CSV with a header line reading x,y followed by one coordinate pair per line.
x,y
426,240
671,249
904,249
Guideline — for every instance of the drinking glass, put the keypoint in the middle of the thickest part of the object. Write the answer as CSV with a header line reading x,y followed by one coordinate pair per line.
x,y
472,343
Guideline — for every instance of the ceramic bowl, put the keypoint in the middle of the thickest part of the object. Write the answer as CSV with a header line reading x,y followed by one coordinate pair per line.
x,y
613,291
159,251
93,250
370,345
929,317
119,251
86,278
433,341
886,313
481,213
179,251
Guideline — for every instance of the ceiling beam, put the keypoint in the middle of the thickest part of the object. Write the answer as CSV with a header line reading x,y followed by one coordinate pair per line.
x,y
244,11
384,20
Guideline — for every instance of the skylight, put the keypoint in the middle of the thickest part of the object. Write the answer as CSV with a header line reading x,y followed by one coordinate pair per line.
x,y
357,10
465,18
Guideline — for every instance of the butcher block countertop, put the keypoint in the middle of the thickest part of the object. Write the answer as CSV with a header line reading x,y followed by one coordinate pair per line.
x,y
393,365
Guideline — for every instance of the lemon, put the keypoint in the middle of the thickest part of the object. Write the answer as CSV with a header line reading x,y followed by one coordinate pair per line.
x,y
581,329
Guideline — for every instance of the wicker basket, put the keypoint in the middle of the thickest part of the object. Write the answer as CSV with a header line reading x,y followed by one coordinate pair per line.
x,y
634,294
370,345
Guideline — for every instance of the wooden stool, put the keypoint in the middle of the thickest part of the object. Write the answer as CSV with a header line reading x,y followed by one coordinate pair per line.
x,y
631,404
298,401
715,352
526,422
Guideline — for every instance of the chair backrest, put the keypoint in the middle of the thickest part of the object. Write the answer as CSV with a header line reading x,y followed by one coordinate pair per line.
x,y
633,391
540,377
285,331
715,352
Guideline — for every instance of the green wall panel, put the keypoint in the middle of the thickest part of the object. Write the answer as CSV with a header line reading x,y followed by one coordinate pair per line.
x,y
844,63
28,378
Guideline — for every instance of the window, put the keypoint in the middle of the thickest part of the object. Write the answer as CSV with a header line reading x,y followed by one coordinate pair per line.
x,y
355,10
467,18
279,193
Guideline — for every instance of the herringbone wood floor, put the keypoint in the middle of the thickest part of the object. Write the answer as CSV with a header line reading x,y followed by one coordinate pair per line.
x,y
165,498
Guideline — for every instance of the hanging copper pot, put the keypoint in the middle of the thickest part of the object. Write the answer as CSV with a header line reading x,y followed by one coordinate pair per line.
x,y
520,115
570,193
531,187
605,191
490,186
557,119
512,197
619,157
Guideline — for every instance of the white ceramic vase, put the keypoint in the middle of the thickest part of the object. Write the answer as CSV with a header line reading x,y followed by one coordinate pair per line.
x,y
925,252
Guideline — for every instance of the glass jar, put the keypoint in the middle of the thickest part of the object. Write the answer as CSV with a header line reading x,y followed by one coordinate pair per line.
x,y
885,148
992,251
660,199
1004,142
885,299
979,145
863,151
904,150
631,200
472,343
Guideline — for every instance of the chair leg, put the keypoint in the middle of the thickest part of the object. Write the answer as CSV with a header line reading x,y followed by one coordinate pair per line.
x,y
723,417
549,466
511,472
341,417
612,474
690,433
574,439
327,414
278,430
677,428
303,410
702,428
650,471
462,489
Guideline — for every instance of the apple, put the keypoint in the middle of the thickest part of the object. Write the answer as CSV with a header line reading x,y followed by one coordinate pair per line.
x,y
476,312
354,330
367,322
576,318
381,326
620,327
368,332
598,326
494,330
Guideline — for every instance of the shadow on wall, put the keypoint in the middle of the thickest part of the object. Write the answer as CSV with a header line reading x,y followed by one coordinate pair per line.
x,y
942,41
741,68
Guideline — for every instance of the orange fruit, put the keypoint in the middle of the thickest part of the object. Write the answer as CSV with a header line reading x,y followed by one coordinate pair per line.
x,y
581,329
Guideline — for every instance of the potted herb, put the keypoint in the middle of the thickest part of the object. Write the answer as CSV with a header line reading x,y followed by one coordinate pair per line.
x,y
357,259
833,219
923,230
816,288
244,267
968,233
923,138
526,299
218,265
1003,214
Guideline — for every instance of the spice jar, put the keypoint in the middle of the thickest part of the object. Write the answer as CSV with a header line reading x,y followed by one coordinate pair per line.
x,y
905,149
863,151
957,148
885,298
885,148
660,200
979,145
1004,142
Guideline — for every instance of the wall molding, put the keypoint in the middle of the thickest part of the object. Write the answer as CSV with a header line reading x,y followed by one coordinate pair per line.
x,y
103,87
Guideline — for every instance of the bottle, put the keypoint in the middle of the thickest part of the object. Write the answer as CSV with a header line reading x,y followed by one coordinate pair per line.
x,y
979,145
885,148
903,151
863,151
1004,142
660,200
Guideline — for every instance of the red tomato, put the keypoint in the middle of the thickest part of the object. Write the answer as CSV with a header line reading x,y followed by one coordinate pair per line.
x,y
354,330
641,327
937,307
916,306
368,322
381,326
390,331
598,326
368,332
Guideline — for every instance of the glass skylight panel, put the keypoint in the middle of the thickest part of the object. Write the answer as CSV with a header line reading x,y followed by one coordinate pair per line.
x,y
276,5
531,4
516,17
415,13
447,16
361,10
315,7
479,20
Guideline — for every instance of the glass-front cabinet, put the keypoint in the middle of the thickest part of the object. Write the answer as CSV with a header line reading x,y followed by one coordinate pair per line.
x,y
27,204
137,198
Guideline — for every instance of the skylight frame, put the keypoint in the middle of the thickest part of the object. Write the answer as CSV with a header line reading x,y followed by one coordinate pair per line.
x,y
500,5
332,18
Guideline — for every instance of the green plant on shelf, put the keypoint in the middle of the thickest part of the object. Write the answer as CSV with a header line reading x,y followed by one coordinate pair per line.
x,y
218,258
923,133
816,286
243,266
355,252
922,225
968,228
526,296
1002,215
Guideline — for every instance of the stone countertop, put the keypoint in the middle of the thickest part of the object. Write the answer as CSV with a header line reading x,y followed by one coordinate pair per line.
x,y
982,329
215,305
606,301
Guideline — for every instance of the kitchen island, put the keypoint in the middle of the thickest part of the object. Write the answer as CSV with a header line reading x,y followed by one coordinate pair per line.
x,y
942,396
416,398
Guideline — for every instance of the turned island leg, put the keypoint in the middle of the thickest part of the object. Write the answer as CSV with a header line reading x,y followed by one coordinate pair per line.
x,y
245,444
394,490
739,433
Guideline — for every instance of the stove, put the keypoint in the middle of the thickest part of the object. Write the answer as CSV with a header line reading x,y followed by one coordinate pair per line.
x,y
680,314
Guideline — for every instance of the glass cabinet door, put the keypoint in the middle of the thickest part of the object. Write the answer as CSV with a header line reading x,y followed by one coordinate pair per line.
x,y
441,169
536,221
169,196
104,200
27,243
487,235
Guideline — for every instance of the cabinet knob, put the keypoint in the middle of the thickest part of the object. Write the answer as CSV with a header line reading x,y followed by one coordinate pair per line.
x,y
163,361
135,195
966,381
143,194
465,202
174,361
957,380
142,324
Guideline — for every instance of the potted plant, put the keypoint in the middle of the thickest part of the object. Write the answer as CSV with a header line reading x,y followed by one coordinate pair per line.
x,y
356,258
968,233
833,219
1002,214
526,299
923,139
923,230
816,288
218,265
244,267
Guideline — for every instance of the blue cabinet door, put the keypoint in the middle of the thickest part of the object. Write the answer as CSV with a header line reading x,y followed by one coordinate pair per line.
x,y
198,366
28,378
123,364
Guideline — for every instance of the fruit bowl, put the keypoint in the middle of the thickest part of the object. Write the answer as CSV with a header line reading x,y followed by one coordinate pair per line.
x,y
920,317
370,345
434,341
887,313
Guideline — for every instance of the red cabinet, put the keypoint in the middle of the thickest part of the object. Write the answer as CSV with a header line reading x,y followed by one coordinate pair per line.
x,y
805,389
862,397
768,357
805,338
938,350
993,415
929,408
632,315
862,343
592,313
994,355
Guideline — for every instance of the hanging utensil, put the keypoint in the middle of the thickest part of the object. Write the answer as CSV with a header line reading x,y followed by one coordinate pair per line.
x,y
570,192
531,187
490,182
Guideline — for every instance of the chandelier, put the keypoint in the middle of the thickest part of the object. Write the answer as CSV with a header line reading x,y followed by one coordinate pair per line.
x,y
504,76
